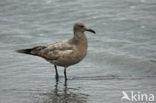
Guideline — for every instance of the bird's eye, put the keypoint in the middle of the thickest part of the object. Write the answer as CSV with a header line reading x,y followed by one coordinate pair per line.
x,y
81,26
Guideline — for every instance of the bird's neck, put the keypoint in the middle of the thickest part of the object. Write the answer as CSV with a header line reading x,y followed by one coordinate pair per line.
x,y
80,38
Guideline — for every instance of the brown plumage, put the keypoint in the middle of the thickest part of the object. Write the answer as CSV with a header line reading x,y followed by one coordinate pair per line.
x,y
66,52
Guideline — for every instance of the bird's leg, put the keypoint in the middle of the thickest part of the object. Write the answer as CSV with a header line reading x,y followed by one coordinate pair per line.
x,y
65,76
57,76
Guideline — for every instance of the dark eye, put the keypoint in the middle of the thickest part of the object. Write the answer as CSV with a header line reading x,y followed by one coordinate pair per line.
x,y
81,26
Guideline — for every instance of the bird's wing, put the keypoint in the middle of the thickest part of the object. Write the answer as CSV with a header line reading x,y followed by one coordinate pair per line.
x,y
56,50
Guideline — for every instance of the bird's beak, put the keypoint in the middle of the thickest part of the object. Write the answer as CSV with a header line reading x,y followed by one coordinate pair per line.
x,y
90,30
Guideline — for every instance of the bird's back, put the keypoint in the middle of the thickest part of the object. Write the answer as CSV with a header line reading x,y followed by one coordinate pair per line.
x,y
65,53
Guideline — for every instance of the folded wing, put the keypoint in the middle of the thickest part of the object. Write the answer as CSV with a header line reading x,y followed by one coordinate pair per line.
x,y
56,50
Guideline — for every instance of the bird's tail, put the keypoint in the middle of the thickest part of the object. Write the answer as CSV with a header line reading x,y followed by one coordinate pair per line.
x,y
31,51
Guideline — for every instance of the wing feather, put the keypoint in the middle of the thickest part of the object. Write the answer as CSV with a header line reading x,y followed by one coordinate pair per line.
x,y
57,50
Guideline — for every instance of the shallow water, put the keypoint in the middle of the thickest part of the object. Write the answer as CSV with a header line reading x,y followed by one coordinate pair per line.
x,y
121,56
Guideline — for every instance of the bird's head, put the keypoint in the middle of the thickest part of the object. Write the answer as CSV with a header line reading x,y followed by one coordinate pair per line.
x,y
81,27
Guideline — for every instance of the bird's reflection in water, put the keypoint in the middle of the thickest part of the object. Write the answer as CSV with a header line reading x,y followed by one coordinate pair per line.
x,y
64,95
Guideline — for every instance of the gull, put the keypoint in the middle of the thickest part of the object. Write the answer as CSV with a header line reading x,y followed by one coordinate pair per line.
x,y
66,52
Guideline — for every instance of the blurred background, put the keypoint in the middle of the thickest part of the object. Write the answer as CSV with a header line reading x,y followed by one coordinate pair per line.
x,y
121,55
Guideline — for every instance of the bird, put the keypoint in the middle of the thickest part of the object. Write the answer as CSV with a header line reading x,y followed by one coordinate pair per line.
x,y
64,53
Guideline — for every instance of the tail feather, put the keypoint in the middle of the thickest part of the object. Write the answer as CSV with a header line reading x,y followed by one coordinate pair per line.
x,y
31,51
